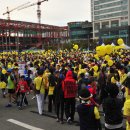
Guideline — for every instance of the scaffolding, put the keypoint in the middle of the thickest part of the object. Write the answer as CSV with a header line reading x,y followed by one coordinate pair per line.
x,y
23,35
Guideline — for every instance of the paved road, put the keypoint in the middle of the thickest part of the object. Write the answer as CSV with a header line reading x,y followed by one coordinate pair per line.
x,y
28,118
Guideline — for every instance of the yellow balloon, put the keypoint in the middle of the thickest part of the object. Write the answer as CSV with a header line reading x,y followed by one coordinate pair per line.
x,y
9,66
107,58
76,47
110,62
4,71
109,49
120,41
119,47
96,56
95,68
101,50
98,49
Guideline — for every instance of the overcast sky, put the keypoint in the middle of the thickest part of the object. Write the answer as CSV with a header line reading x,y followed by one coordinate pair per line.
x,y
54,12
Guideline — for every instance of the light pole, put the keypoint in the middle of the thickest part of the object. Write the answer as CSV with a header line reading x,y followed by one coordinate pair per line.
x,y
88,43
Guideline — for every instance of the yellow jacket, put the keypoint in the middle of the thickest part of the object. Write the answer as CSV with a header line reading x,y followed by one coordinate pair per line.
x,y
123,78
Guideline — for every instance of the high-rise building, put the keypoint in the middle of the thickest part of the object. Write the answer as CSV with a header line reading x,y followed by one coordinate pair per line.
x,y
111,19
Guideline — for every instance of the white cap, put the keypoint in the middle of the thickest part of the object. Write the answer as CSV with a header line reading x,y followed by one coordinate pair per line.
x,y
128,74
86,75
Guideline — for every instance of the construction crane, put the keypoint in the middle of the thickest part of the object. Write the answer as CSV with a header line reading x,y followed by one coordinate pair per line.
x,y
9,11
38,3
38,8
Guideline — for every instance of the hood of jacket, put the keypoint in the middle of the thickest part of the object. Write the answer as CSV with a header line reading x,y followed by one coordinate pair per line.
x,y
69,75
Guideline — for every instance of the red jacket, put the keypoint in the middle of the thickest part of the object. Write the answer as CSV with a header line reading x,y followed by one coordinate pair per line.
x,y
22,87
69,86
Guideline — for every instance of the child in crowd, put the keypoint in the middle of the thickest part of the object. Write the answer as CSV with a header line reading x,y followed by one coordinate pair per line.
x,y
22,89
3,86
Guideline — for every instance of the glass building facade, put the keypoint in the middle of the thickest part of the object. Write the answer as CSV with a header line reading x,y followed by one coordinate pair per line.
x,y
108,14
80,30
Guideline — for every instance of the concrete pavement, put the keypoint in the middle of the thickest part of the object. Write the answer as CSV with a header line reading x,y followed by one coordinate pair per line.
x,y
30,118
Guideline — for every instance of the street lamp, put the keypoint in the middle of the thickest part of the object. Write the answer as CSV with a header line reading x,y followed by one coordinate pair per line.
x,y
88,43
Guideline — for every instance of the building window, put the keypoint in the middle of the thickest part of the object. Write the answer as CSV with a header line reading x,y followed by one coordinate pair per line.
x,y
105,25
96,17
125,23
112,4
111,10
97,26
112,15
114,23
123,33
96,13
96,34
96,2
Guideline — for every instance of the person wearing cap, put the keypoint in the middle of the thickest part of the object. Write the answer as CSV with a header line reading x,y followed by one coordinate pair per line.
x,y
112,107
11,86
88,113
22,88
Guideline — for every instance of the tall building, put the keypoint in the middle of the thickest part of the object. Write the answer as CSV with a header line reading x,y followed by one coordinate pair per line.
x,y
79,31
111,19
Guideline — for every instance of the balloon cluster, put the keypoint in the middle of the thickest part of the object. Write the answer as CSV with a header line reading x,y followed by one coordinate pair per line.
x,y
107,50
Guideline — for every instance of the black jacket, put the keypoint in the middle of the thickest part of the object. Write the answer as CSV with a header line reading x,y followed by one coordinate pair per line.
x,y
52,80
112,108
59,96
87,117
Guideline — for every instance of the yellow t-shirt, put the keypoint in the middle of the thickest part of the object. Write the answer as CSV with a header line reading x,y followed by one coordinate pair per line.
x,y
126,93
2,85
37,83
96,113
51,90
127,112
113,80
123,78
45,76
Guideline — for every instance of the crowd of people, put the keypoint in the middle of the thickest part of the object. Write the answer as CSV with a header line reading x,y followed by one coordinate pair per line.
x,y
67,77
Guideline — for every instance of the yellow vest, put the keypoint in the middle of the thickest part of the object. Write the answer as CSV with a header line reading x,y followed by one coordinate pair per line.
x,y
37,82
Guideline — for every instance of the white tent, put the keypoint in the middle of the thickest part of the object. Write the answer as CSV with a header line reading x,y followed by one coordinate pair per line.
x,y
125,46
103,44
112,44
